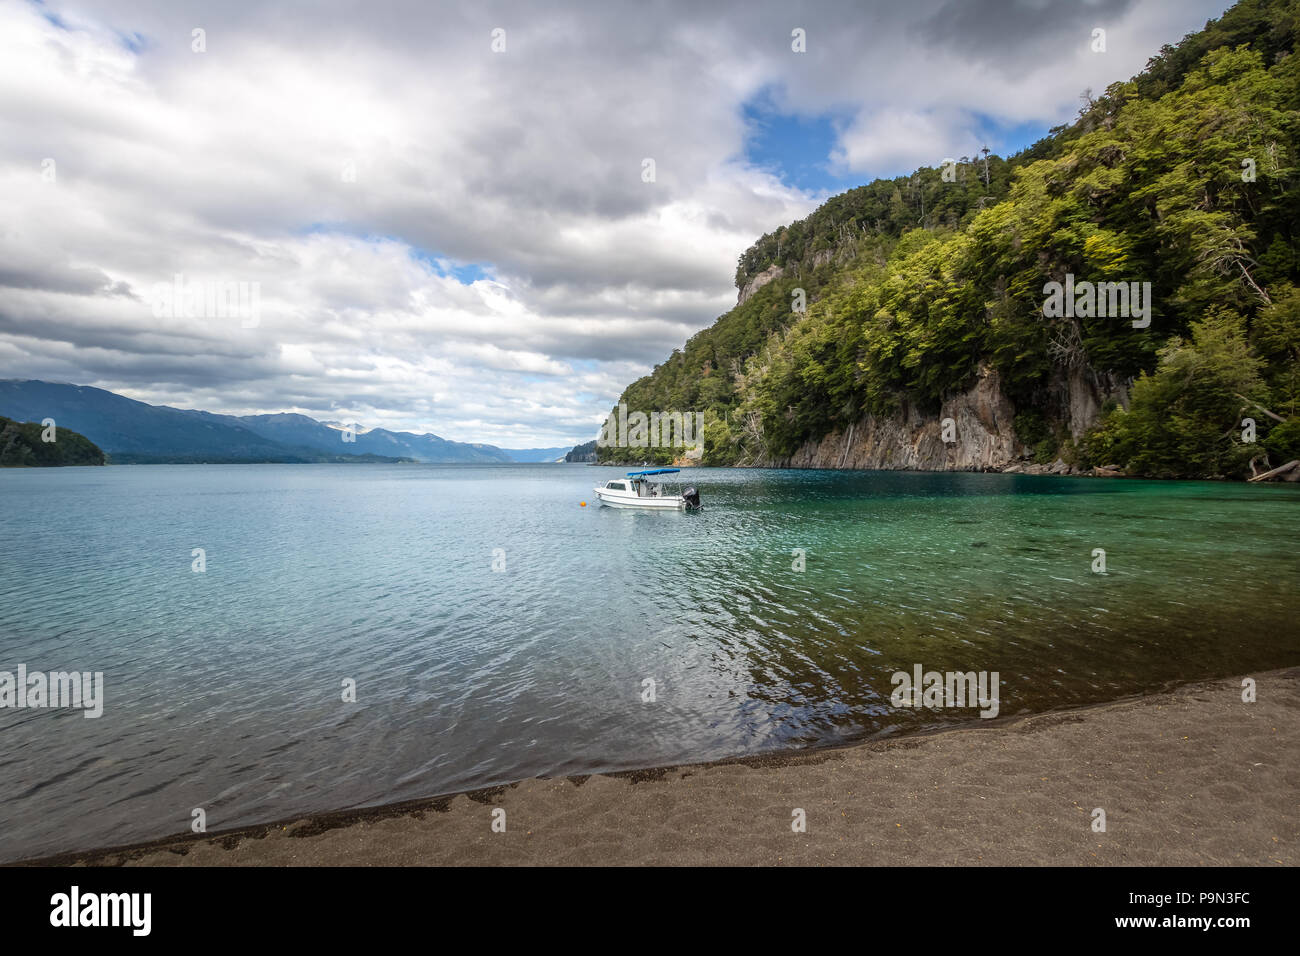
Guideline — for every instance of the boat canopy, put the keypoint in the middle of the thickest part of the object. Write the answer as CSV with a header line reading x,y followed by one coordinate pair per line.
x,y
653,471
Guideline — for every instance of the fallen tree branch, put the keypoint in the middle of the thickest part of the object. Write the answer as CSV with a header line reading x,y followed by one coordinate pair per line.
x,y
1291,471
1273,415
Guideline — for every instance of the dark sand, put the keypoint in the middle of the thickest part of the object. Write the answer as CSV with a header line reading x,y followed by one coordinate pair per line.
x,y
1189,777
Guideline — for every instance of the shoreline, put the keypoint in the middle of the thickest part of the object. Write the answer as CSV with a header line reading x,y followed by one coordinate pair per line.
x,y
1020,468
1188,775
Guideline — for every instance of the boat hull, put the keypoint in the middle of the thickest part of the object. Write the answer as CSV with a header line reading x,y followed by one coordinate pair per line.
x,y
663,503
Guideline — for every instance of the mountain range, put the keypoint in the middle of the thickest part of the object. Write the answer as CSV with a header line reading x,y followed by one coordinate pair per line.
x,y
133,432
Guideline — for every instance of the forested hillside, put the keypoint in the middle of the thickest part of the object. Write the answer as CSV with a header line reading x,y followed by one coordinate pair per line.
x,y
21,445
920,288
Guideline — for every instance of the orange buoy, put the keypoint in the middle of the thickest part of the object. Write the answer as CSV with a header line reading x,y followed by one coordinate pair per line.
x,y
583,503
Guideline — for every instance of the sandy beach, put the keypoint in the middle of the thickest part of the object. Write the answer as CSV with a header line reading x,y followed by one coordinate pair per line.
x,y
1192,776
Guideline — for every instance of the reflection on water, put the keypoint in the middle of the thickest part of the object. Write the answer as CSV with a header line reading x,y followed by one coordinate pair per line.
x,y
224,688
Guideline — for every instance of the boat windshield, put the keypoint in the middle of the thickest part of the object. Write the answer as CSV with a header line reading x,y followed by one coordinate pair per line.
x,y
641,487
648,489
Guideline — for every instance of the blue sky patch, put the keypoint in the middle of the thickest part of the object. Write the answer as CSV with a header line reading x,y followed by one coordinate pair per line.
x,y
466,273
135,42
50,15
795,149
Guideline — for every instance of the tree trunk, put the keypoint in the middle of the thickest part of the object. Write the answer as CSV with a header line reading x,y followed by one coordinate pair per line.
x,y
1288,472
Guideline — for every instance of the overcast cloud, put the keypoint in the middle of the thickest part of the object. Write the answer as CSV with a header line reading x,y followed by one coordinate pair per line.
x,y
498,271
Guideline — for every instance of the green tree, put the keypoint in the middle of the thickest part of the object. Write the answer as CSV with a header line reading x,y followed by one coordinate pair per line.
x,y
1184,418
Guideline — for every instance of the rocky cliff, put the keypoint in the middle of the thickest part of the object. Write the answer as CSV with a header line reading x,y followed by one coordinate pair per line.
x,y
757,282
981,432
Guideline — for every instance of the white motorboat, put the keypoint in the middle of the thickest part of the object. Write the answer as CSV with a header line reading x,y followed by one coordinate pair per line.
x,y
639,490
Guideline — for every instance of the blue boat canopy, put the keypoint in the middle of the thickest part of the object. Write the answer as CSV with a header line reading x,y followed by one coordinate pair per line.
x,y
653,471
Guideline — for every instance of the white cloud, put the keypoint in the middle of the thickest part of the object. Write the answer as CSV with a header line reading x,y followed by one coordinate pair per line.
x,y
896,139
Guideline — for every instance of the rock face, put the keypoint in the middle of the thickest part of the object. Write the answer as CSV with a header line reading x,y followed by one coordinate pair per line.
x,y
1084,391
812,261
758,281
982,431
821,257
984,438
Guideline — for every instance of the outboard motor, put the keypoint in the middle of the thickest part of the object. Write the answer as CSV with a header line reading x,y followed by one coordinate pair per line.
x,y
692,498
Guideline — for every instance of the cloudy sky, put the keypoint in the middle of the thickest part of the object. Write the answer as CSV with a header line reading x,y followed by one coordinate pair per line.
x,y
454,238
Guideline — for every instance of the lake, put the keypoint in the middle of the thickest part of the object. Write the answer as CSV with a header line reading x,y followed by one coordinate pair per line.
x,y
224,688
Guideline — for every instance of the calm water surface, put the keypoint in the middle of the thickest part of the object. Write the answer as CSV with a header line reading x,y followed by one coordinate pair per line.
x,y
224,688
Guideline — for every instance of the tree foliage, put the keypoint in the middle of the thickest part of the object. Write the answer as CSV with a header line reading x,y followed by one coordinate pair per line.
x,y
21,445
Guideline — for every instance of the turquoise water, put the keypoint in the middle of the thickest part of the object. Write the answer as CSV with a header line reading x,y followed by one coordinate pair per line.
x,y
223,688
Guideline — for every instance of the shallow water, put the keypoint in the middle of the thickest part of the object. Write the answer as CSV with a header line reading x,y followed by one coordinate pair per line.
x,y
223,688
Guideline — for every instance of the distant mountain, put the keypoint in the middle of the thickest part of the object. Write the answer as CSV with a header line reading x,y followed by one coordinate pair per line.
x,y
135,432
536,454
302,431
584,452
23,445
